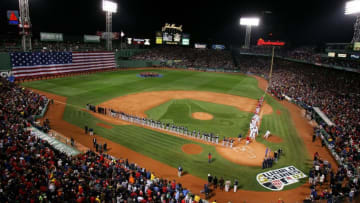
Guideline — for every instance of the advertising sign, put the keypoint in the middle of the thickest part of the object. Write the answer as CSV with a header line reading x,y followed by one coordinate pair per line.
x,y
357,46
200,46
92,38
354,56
13,17
185,42
277,179
261,42
51,37
342,55
218,46
331,54
159,40
113,35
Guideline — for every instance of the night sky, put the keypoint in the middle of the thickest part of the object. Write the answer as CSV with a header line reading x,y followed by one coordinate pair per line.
x,y
296,22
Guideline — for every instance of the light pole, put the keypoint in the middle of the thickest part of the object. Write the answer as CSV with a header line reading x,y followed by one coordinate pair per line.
x,y
353,8
248,22
109,7
122,34
25,25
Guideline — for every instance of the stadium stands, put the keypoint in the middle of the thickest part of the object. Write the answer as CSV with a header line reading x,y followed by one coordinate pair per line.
x,y
335,92
33,171
188,57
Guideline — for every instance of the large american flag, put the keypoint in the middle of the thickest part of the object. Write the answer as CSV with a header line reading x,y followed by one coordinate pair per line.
x,y
28,64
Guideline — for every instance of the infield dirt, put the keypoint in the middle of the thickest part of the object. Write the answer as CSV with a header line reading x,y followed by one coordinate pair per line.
x,y
202,116
195,184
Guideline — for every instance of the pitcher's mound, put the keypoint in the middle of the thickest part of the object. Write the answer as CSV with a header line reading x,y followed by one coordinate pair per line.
x,y
202,116
192,149
274,139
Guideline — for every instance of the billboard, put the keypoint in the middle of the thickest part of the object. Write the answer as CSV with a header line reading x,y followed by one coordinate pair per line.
x,y
342,55
354,56
137,41
13,17
159,40
185,40
357,46
113,35
92,38
331,54
200,46
51,37
218,46
261,42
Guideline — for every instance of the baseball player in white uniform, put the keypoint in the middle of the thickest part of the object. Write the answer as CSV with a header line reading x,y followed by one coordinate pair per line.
x,y
267,134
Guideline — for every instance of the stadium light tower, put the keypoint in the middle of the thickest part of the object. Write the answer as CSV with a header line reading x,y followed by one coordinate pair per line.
x,y
249,22
353,8
109,7
25,24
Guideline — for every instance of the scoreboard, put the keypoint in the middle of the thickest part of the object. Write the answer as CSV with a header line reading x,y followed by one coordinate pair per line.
x,y
173,35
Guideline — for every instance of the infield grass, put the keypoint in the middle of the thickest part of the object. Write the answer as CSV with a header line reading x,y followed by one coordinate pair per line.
x,y
97,88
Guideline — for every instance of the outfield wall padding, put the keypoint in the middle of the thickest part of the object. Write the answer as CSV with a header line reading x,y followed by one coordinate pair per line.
x,y
5,61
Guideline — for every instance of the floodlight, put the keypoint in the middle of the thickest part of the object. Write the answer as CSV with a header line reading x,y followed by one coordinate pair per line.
x,y
250,21
109,6
352,7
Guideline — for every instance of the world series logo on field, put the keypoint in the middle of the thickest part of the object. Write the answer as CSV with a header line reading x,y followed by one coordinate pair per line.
x,y
275,180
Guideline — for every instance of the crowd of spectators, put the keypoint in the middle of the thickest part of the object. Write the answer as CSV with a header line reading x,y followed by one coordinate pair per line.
x,y
183,56
335,92
14,45
33,171
329,185
307,54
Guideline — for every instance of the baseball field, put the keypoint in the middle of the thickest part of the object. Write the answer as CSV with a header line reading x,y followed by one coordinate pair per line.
x,y
229,100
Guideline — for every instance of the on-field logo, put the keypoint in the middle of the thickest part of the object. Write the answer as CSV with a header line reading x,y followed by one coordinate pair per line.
x,y
275,180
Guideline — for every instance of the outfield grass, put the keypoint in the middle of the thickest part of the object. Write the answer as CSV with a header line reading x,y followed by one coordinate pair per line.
x,y
100,87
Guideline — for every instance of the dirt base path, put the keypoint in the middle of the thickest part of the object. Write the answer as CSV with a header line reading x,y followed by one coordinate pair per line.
x,y
195,184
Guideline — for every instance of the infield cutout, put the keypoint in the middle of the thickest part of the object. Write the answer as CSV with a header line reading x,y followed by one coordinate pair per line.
x,y
202,116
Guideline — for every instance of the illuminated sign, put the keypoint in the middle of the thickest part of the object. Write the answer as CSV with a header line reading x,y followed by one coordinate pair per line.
x,y
147,42
185,41
172,26
261,42
331,54
357,46
167,37
342,55
353,56
13,17
218,46
113,35
51,37
177,37
200,46
129,41
140,41
172,43
92,38
159,40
